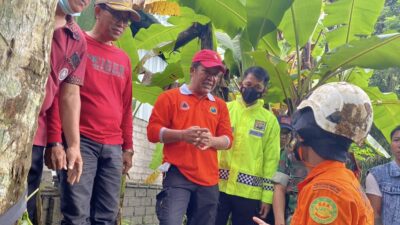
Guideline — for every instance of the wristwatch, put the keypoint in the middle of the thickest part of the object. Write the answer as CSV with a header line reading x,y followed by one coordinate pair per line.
x,y
128,150
53,144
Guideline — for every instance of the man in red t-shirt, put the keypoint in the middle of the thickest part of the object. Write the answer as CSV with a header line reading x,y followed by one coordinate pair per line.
x,y
192,124
105,121
68,61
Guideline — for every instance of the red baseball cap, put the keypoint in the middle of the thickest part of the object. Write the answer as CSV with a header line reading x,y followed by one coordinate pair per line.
x,y
209,58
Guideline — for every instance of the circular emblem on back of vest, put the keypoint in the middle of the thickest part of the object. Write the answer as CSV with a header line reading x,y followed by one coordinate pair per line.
x,y
63,74
323,210
213,110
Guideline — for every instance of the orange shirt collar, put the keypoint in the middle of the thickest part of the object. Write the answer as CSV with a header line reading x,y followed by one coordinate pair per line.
x,y
319,169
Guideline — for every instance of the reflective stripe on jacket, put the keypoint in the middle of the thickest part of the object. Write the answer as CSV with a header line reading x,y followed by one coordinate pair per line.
x,y
247,168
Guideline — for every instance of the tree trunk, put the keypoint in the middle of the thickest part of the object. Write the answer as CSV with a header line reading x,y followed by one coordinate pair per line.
x,y
26,28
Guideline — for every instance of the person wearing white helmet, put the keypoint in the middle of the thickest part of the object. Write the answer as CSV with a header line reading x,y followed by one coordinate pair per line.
x,y
327,122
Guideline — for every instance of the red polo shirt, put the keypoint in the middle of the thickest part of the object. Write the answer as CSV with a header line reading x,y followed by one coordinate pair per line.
x,y
68,61
106,97
180,109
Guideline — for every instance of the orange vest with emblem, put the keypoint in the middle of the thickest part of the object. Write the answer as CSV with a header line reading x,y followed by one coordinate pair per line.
x,y
331,194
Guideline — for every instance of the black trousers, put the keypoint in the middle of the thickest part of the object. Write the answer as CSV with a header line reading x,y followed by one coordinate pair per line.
x,y
181,196
241,210
34,178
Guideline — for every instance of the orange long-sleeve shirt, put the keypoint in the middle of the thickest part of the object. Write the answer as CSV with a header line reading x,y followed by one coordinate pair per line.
x,y
331,194
179,109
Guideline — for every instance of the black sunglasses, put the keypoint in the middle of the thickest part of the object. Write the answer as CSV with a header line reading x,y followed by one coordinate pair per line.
x,y
117,15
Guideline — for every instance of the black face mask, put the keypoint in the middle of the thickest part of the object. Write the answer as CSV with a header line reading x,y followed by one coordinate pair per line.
x,y
250,94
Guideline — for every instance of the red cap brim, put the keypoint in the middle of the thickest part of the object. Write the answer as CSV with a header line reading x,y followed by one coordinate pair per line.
x,y
209,64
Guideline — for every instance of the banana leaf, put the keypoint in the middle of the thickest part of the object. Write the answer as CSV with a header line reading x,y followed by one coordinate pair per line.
x,y
228,15
264,16
351,19
377,52
300,20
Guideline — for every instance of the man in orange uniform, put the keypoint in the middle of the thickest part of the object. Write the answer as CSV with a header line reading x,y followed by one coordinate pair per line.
x,y
192,124
332,117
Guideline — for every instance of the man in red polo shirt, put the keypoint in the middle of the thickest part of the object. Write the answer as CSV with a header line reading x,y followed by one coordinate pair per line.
x,y
192,124
68,60
105,123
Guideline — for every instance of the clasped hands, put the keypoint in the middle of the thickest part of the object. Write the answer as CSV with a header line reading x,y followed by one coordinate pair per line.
x,y
197,136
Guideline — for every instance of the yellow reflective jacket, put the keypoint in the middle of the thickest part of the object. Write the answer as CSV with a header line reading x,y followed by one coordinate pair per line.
x,y
246,169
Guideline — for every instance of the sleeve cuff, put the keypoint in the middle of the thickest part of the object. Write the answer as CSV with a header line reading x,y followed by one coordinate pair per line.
x,y
228,141
162,134
281,178
267,197
54,138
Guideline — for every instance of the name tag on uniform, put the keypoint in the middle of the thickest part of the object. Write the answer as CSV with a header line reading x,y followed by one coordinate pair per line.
x,y
256,133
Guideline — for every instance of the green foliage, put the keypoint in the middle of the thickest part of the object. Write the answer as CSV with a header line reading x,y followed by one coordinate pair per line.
x,y
281,84
387,80
389,21
225,14
146,94
186,56
270,43
386,106
24,220
248,34
300,21
172,73
349,20
125,42
156,159
188,16
87,19
386,110
154,35
265,19
376,52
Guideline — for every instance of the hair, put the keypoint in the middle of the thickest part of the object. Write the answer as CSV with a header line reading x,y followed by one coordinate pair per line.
x,y
259,73
394,131
195,64
102,5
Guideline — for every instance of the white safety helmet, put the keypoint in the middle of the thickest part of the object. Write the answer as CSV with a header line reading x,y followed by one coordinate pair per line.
x,y
341,108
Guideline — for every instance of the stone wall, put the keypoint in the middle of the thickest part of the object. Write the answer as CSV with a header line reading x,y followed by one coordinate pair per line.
x,y
138,207
143,153
139,204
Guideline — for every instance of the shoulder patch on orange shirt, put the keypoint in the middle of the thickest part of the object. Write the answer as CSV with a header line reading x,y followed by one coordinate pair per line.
x,y
323,210
326,186
213,110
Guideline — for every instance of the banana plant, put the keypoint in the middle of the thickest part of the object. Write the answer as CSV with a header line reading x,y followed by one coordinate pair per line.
x,y
302,44
340,31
